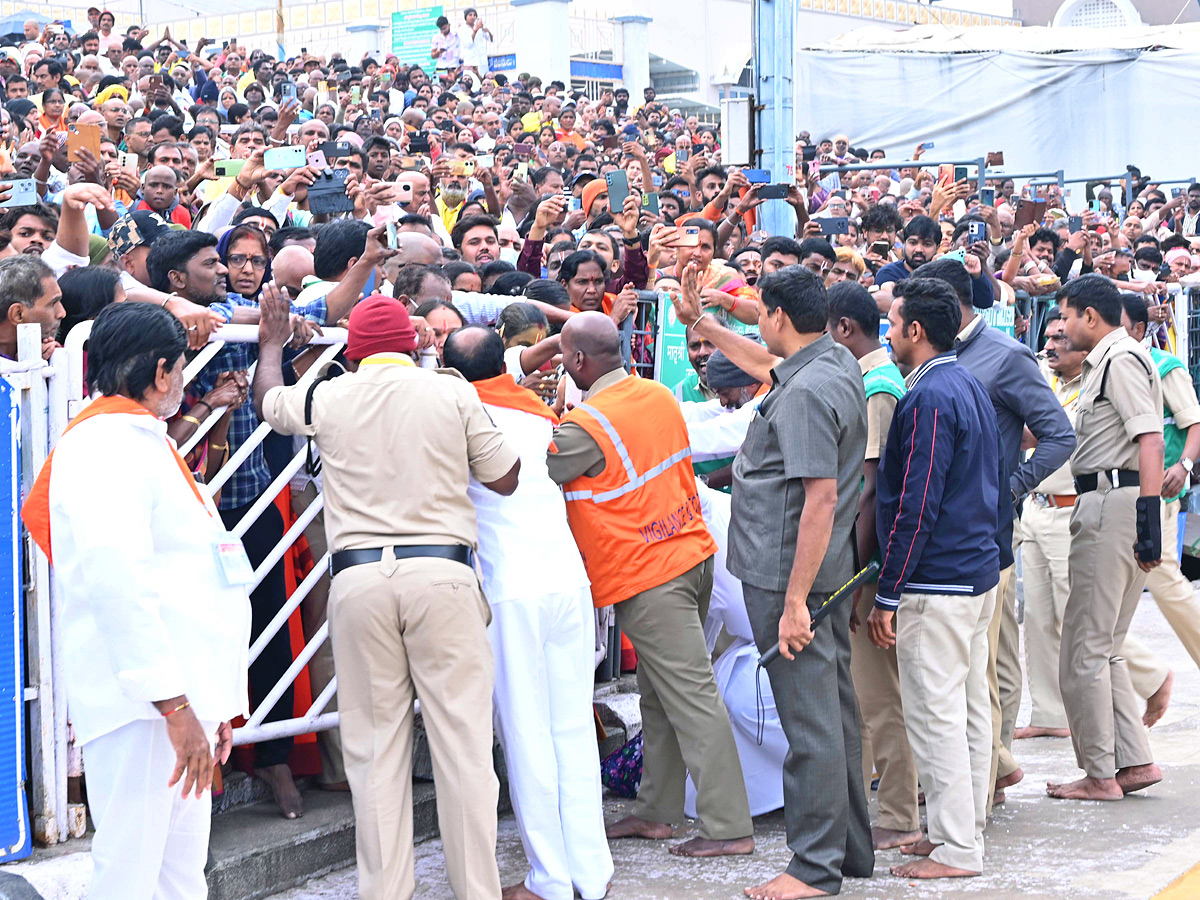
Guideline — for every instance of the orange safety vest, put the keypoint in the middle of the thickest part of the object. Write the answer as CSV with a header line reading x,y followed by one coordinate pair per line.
x,y
638,523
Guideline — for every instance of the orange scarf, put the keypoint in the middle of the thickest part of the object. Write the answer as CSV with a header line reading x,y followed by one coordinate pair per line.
x,y
36,511
503,391
606,305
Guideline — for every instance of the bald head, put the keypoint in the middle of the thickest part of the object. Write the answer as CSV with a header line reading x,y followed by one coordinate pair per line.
x,y
591,347
417,249
291,266
476,352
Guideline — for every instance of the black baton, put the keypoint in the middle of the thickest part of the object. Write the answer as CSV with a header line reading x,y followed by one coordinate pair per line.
x,y
871,570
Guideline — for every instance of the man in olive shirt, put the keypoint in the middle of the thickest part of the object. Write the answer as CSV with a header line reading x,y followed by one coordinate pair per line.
x,y
406,614
796,489
1116,539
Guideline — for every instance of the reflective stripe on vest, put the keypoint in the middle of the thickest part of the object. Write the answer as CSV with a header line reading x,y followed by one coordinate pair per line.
x,y
635,480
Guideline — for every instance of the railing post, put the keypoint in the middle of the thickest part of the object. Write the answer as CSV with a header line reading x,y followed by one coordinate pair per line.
x,y
49,789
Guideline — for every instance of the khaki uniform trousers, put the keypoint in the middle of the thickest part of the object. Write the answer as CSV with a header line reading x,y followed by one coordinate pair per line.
x,y
685,725
313,613
1004,674
1102,708
416,628
941,644
1044,564
1177,599
884,738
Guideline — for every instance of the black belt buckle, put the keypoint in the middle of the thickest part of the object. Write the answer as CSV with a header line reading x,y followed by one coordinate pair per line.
x,y
459,553
1117,478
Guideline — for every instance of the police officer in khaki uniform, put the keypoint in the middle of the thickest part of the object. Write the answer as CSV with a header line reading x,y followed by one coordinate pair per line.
x,y
1046,546
406,616
1116,538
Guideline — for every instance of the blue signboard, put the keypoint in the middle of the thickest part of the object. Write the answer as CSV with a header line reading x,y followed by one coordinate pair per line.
x,y
506,63
588,68
15,842
413,32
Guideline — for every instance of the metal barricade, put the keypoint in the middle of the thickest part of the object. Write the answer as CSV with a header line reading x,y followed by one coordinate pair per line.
x,y
314,719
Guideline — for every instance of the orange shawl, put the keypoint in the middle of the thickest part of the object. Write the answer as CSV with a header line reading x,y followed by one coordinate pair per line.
x,y
503,391
606,305
36,511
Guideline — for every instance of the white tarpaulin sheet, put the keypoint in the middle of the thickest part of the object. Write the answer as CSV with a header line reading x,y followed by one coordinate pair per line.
x,y
1090,112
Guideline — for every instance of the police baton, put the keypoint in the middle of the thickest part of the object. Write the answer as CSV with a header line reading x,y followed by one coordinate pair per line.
x,y
871,570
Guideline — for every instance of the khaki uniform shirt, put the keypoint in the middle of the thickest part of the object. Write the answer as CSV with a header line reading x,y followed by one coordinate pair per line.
x,y
1179,396
880,407
1060,481
574,451
1108,426
397,445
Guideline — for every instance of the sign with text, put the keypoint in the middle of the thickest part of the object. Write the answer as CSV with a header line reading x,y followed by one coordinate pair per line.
x,y
413,32
502,63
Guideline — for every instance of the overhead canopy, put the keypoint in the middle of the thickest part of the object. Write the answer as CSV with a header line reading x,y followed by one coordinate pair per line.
x,y
947,39
1076,102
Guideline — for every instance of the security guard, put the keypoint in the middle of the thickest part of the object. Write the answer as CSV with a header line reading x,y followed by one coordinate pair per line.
x,y
1046,530
406,615
1116,538
624,461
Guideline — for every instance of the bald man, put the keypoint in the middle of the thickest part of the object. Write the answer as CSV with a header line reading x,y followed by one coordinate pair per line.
x,y
623,459
291,265
420,193
413,249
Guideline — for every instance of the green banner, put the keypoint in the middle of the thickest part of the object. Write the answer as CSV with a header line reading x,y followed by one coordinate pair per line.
x,y
670,356
413,33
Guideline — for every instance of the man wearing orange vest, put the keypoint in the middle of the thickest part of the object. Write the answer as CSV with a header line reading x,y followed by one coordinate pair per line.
x,y
624,461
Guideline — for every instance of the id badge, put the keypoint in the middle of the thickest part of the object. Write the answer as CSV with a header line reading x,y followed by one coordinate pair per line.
x,y
232,560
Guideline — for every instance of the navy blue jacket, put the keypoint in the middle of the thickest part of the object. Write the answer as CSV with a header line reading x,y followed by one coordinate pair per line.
x,y
981,288
937,488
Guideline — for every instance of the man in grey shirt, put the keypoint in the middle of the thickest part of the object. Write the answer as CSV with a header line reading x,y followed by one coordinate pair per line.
x,y
795,492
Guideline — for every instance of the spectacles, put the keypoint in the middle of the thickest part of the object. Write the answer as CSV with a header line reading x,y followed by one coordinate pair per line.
x,y
239,260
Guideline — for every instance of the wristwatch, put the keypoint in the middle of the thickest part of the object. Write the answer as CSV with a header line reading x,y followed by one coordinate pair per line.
x,y
1187,464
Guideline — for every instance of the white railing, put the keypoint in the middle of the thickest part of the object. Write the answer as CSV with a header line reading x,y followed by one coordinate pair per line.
x,y
314,719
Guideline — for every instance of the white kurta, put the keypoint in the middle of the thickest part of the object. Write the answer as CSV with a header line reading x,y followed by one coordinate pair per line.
x,y
736,671
146,616
542,637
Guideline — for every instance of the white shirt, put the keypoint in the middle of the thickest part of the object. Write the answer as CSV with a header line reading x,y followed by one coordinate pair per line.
x,y
525,544
146,614
473,46
716,432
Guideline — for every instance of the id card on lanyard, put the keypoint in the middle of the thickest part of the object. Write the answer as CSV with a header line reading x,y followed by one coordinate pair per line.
x,y
232,561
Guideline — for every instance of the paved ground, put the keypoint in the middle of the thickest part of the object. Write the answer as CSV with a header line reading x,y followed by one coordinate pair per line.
x,y
1038,848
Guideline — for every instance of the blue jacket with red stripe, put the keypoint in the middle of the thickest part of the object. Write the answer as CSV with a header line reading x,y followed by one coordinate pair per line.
x,y
938,488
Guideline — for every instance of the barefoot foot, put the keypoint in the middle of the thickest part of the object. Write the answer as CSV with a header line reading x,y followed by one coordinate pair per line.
x,y
783,887
1157,703
889,838
1086,789
703,847
518,891
632,826
287,797
928,868
1135,778
1009,780
922,847
1036,731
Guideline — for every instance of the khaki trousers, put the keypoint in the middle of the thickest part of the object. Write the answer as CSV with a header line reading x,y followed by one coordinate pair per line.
x,y
685,725
313,612
885,741
942,652
1102,709
1044,554
1176,598
405,628
1003,650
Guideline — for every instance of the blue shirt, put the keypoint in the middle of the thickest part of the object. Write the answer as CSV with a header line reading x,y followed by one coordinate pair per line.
x,y
253,476
981,289
937,488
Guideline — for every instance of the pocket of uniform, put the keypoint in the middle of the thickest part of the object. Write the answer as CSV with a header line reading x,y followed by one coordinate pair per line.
x,y
458,585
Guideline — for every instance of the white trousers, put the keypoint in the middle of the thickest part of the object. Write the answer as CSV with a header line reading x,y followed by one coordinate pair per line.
x,y
151,843
942,653
543,648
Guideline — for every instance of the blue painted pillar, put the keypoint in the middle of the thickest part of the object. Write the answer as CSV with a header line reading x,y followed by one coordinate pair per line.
x,y
774,62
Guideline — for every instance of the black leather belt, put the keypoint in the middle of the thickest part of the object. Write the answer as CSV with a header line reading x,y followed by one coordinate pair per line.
x,y
344,559
1116,477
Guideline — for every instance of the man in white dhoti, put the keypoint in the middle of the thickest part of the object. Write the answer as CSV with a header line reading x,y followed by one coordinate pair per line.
x,y
543,635
155,610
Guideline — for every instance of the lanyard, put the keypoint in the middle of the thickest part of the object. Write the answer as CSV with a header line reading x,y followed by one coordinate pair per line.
x,y
1069,400
387,359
